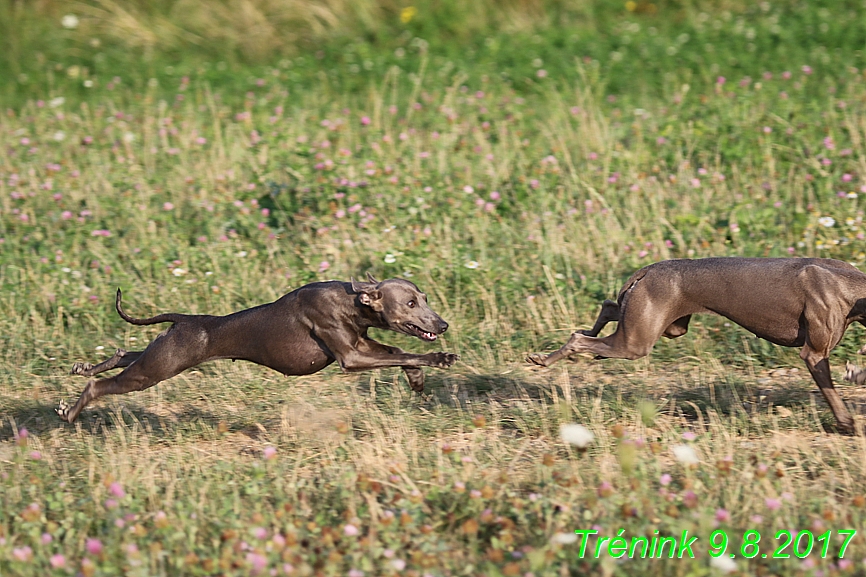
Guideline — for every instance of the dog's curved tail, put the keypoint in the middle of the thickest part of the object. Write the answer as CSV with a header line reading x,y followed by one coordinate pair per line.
x,y
163,318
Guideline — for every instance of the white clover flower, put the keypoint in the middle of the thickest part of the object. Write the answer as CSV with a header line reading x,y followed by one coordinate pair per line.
x,y
724,564
390,258
827,221
576,435
55,102
472,264
178,271
128,137
70,21
59,135
564,538
685,454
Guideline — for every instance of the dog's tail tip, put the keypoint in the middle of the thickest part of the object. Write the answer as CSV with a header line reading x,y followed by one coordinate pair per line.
x,y
119,309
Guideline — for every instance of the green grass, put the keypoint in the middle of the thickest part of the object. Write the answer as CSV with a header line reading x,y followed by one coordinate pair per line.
x,y
516,200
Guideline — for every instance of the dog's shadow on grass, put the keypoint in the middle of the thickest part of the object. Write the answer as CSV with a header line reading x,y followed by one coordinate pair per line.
x,y
737,398
464,390
40,419
748,401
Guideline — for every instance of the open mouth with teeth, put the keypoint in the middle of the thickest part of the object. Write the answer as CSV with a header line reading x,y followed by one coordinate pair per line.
x,y
417,331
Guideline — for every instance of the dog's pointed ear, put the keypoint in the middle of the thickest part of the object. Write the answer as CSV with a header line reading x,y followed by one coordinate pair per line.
x,y
371,278
356,286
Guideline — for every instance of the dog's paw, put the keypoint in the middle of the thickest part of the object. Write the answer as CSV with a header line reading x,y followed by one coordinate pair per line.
x,y
81,368
854,374
536,359
846,427
444,360
415,378
62,411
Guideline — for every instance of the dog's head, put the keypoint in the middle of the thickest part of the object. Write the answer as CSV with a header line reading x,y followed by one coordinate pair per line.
x,y
402,307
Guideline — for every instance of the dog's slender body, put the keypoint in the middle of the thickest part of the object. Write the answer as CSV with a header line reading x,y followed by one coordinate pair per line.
x,y
793,302
299,334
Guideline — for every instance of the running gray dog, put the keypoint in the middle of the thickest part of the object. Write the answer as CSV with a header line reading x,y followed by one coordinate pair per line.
x,y
301,333
792,302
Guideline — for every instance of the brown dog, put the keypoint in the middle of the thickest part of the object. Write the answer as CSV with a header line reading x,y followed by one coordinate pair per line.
x,y
301,333
793,302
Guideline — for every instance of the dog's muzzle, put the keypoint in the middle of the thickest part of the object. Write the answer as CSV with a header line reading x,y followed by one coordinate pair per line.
x,y
428,336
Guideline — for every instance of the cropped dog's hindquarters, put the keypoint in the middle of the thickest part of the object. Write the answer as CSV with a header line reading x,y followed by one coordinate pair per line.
x,y
299,334
793,302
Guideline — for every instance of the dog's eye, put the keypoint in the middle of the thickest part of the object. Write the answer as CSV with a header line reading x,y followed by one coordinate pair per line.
x,y
411,304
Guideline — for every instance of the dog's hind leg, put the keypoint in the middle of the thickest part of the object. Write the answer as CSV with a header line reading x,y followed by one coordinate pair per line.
x,y
126,382
609,314
134,378
121,359
165,357
615,346
641,323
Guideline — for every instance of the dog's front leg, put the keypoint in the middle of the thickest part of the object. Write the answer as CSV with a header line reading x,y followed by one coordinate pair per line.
x,y
414,375
819,366
356,360
367,354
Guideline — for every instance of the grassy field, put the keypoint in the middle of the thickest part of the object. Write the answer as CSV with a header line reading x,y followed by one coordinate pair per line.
x,y
518,165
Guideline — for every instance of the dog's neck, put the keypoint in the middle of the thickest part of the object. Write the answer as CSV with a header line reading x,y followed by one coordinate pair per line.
x,y
370,319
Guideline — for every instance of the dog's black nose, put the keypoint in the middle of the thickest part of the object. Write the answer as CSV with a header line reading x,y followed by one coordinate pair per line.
x,y
443,326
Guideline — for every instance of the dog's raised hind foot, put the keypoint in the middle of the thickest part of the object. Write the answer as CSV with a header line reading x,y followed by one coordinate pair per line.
x,y
81,369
